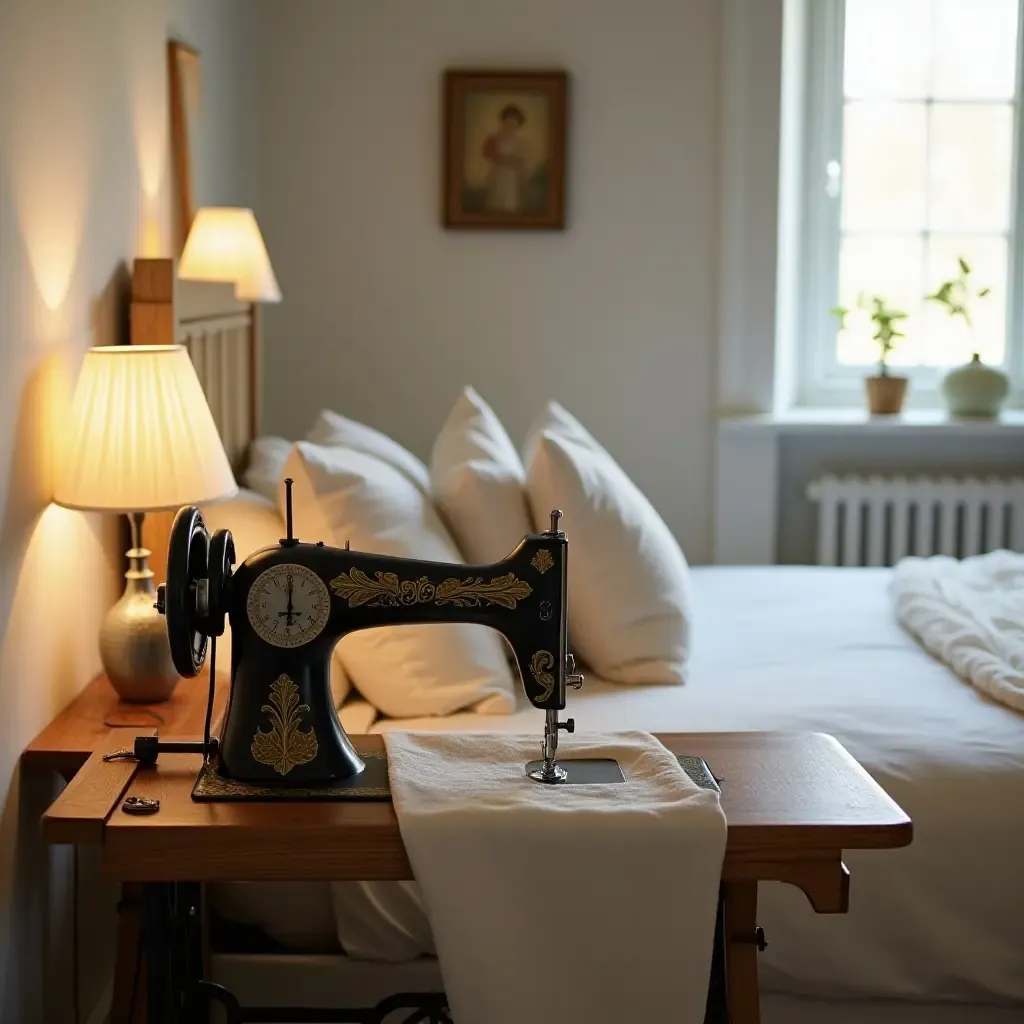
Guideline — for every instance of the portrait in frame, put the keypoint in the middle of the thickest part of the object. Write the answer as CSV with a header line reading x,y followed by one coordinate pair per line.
x,y
504,149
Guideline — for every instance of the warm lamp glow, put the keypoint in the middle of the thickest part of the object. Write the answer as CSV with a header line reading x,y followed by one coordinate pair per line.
x,y
142,436
225,244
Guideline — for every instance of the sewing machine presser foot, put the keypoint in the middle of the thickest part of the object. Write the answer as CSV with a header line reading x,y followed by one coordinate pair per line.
x,y
582,771
550,773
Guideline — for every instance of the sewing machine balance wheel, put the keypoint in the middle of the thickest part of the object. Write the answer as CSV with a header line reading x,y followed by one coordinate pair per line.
x,y
187,590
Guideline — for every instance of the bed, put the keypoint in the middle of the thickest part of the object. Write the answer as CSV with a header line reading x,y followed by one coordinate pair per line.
x,y
792,648
933,933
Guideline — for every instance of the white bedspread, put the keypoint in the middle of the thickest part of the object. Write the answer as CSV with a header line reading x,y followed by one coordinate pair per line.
x,y
795,648
820,649
552,904
970,615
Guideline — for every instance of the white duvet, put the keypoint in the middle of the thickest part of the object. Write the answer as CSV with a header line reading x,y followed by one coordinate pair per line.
x,y
970,615
820,649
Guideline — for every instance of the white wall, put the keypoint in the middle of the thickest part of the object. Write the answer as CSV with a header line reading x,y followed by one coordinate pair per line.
x,y
84,187
386,315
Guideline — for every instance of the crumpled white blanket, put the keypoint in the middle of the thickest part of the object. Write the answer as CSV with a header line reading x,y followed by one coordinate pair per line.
x,y
970,615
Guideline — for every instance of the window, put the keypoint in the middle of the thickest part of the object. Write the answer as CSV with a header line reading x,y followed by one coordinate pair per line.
x,y
912,152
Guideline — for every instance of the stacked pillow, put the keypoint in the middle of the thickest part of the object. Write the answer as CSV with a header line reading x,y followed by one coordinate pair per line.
x,y
478,481
629,584
630,604
336,431
364,489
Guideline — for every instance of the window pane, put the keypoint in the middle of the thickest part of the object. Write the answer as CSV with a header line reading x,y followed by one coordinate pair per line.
x,y
969,166
975,49
887,48
950,340
884,161
888,267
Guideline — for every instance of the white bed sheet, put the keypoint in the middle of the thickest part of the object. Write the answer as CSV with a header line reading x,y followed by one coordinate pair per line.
x,y
782,648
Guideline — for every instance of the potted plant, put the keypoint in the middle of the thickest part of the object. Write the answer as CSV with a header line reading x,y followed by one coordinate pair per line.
x,y
886,392
973,389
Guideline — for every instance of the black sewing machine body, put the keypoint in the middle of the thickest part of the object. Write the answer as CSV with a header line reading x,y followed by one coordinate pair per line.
x,y
289,605
522,597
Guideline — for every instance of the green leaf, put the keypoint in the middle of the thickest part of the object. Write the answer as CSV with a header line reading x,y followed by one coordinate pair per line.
x,y
964,267
984,292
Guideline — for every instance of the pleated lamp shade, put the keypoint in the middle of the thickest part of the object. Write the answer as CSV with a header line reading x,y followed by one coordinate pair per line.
x,y
142,437
225,244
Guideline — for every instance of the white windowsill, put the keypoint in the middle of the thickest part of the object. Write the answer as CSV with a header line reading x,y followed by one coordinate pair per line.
x,y
931,422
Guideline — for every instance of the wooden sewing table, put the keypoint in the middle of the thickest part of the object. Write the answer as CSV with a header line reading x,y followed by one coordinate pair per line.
x,y
793,803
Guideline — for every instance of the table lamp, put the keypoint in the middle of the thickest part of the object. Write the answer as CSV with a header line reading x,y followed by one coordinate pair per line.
x,y
142,440
225,244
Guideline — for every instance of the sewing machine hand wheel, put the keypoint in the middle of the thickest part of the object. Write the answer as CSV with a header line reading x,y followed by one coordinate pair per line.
x,y
188,568
221,559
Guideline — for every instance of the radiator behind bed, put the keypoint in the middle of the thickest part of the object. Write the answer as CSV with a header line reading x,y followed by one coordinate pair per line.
x,y
878,520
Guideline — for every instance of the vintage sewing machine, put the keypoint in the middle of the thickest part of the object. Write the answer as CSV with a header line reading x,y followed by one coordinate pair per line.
x,y
289,605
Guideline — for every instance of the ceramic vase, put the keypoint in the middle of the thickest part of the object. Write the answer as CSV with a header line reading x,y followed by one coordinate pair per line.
x,y
975,390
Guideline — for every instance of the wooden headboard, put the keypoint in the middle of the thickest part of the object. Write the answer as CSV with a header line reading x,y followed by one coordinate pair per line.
x,y
221,334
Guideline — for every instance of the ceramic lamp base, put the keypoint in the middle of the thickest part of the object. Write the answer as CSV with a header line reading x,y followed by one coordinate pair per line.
x,y
133,640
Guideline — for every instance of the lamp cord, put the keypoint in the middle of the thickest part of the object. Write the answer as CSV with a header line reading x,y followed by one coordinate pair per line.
x,y
209,701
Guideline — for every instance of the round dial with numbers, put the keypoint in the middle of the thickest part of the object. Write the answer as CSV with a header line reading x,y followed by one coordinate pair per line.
x,y
288,605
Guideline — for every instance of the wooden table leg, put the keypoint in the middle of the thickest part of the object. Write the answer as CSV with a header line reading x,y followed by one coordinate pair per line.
x,y
129,970
741,951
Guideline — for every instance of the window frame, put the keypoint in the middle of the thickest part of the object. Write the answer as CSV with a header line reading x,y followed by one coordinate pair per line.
x,y
820,379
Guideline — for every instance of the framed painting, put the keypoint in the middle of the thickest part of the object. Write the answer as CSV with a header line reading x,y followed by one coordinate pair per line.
x,y
504,149
185,89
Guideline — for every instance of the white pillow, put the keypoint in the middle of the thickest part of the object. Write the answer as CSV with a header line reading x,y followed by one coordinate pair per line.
x,y
629,584
344,495
267,456
334,430
478,481
254,524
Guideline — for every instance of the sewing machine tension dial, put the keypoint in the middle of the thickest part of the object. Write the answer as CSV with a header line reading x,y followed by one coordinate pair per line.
x,y
288,605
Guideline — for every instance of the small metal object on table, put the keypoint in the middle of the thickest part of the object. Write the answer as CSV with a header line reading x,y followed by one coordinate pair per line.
x,y
793,804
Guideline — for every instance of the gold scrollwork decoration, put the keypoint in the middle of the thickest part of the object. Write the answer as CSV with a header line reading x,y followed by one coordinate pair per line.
x,y
386,590
287,744
542,561
540,668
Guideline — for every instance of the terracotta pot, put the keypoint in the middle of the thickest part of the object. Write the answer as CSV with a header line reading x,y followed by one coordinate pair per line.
x,y
886,394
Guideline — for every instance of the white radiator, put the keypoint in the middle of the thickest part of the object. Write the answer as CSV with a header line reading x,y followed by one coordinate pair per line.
x,y
878,520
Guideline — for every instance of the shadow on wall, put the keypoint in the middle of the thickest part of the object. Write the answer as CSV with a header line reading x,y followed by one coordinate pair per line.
x,y
56,577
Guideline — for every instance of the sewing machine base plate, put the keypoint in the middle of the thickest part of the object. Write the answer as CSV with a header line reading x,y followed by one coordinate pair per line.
x,y
373,783
370,784
589,771
583,771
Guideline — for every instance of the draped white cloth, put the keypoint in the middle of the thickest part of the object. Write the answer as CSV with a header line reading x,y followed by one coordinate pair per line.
x,y
556,904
